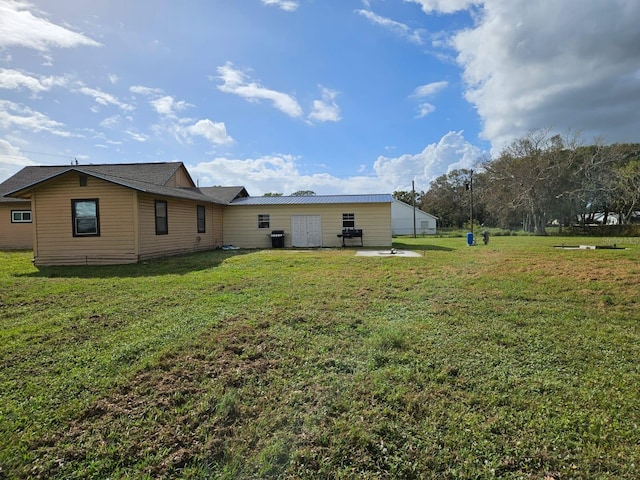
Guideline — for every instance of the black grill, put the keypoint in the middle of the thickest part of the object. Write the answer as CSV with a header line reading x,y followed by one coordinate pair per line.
x,y
351,233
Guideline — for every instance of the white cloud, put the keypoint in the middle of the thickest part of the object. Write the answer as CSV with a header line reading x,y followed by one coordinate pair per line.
x,y
17,80
138,137
444,6
103,98
450,153
235,81
167,105
163,104
286,5
425,109
11,160
429,89
398,28
270,173
424,91
146,91
13,115
183,129
110,122
19,27
280,173
326,110
526,67
215,132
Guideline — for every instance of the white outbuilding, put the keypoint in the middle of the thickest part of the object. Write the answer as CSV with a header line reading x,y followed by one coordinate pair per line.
x,y
402,216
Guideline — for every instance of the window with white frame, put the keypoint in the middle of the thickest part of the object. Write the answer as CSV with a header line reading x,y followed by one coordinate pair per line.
x,y
20,216
348,220
85,217
263,220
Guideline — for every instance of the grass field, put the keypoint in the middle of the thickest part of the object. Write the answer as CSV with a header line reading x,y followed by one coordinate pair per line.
x,y
512,360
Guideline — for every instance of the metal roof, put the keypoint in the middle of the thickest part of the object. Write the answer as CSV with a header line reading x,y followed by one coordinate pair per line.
x,y
315,199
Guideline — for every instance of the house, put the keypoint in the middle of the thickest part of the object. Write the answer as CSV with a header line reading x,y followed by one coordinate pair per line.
x,y
16,222
116,213
402,216
311,221
124,213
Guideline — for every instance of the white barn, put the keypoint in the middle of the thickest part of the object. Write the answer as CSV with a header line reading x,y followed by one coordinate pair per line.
x,y
402,220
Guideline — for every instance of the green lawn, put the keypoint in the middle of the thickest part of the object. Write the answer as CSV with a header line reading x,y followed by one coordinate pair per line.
x,y
512,360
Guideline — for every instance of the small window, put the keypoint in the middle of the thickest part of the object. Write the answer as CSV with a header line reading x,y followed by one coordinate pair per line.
x,y
162,223
20,216
83,180
85,217
263,221
348,220
201,219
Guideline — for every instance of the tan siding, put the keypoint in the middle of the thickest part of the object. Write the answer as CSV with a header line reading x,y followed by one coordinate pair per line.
x,y
183,234
55,241
216,223
241,223
180,179
15,236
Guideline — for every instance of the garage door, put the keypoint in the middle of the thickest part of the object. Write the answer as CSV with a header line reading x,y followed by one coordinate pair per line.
x,y
306,231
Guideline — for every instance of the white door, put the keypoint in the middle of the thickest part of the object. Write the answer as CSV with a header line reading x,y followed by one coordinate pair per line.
x,y
306,231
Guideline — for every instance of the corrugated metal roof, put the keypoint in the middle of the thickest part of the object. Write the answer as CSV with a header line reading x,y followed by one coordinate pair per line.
x,y
315,199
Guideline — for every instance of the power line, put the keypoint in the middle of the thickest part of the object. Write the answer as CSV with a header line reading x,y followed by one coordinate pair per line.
x,y
35,153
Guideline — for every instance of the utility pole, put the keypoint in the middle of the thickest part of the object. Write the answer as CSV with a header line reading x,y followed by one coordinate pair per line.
x,y
471,191
469,186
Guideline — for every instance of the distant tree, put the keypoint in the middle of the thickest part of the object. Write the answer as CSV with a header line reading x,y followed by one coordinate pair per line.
x,y
531,176
406,197
303,193
272,194
448,198
627,186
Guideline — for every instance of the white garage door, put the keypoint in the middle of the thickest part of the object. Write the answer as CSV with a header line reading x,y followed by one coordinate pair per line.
x,y
306,231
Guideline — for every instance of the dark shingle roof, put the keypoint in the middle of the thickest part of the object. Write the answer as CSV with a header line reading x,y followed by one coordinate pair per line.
x,y
224,194
27,176
145,177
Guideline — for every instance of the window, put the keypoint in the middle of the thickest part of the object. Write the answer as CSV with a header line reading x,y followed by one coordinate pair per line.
x,y
20,216
263,221
85,217
201,219
83,180
162,224
348,220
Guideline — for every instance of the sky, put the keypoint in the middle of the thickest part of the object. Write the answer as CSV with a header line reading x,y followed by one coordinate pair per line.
x,y
332,96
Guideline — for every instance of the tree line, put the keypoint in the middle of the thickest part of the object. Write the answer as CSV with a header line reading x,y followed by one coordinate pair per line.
x,y
537,179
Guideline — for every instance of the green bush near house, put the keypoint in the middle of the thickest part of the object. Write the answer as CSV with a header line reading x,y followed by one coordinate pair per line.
x,y
512,360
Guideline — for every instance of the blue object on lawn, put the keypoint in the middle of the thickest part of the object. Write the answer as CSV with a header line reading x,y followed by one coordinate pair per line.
x,y
470,241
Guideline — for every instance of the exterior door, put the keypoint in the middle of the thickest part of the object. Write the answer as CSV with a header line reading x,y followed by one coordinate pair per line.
x,y
306,231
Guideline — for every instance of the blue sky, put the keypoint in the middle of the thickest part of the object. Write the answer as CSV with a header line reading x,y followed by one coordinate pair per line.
x,y
334,96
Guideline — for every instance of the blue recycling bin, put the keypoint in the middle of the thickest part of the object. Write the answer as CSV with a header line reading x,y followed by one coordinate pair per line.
x,y
470,239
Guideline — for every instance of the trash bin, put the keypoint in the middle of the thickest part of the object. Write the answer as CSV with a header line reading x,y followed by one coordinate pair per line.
x,y
277,238
470,239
